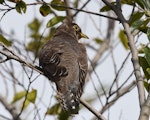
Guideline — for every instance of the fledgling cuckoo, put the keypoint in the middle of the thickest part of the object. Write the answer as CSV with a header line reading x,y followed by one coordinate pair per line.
x,y
64,61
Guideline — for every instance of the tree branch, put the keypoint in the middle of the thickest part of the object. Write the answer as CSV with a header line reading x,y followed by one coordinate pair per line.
x,y
93,110
82,7
101,50
68,11
135,63
11,109
11,55
14,56
145,111
134,52
121,92
71,8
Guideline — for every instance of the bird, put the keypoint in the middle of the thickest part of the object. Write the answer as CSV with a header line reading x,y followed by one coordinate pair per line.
x,y
63,59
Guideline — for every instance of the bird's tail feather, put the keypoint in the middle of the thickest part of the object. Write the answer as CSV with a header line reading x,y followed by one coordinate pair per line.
x,y
69,102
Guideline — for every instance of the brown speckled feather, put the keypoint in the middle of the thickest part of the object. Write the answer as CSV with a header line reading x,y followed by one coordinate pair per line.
x,y
64,61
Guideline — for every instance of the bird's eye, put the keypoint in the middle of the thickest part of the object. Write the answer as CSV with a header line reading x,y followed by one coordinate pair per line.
x,y
76,28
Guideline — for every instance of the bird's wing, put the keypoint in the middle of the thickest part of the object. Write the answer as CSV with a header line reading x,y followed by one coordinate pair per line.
x,y
83,65
70,88
49,60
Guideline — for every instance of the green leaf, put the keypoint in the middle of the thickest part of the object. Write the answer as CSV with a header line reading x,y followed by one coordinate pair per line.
x,y
34,46
148,33
141,25
147,54
54,110
128,2
136,16
64,115
141,50
5,41
106,8
137,24
148,70
75,3
147,86
57,5
35,25
19,96
21,7
98,40
139,2
45,10
144,64
1,1
55,20
52,31
14,1
146,4
49,35
25,104
32,96
123,39
57,110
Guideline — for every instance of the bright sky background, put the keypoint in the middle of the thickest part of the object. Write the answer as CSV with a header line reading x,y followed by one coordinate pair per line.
x,y
126,108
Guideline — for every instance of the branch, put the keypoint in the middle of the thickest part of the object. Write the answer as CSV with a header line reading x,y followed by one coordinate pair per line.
x,y
93,13
93,110
102,49
145,111
11,55
76,9
11,109
135,63
121,92
68,11
82,7
14,56
134,51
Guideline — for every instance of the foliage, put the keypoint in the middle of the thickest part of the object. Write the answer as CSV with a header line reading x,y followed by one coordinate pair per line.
x,y
21,7
138,21
45,10
123,39
55,20
98,40
29,96
5,41
37,40
57,110
57,5
145,64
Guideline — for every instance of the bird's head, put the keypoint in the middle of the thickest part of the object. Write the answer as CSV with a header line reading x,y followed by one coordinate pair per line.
x,y
78,32
72,28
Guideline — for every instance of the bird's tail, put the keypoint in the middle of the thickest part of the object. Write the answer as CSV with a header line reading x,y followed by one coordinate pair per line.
x,y
69,102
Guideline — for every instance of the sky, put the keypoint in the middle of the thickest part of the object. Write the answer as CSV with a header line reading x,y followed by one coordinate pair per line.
x,y
126,108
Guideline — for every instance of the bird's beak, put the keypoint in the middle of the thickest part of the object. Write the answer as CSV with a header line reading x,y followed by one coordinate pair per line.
x,y
83,35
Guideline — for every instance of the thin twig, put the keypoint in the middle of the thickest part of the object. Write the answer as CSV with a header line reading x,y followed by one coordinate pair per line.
x,y
16,57
76,9
145,111
82,7
94,111
11,109
20,60
121,92
134,52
